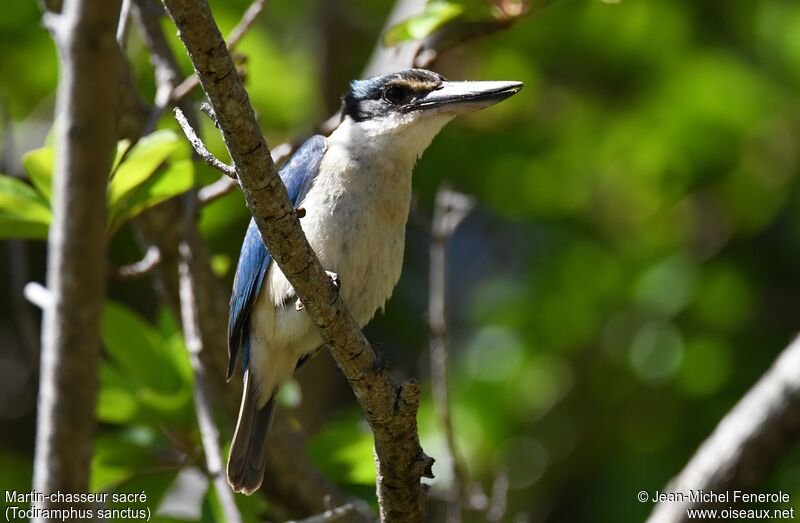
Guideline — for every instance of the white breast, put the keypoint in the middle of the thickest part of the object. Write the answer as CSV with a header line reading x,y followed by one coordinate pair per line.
x,y
356,214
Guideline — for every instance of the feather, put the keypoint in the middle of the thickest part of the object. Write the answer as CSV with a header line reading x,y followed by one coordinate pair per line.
x,y
248,455
297,175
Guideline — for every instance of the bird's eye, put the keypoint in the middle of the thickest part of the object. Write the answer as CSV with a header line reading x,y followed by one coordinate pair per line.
x,y
395,95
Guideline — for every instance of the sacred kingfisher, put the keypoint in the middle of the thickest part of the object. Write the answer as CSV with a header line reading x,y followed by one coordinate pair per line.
x,y
355,189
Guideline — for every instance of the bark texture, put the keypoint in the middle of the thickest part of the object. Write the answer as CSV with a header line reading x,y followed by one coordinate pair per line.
x,y
87,108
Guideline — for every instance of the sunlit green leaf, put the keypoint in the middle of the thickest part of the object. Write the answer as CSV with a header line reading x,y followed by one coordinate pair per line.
x,y
39,165
116,404
175,179
23,212
19,200
123,146
435,15
141,163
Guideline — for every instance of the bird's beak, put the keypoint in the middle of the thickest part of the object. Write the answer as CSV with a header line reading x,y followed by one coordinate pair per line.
x,y
465,97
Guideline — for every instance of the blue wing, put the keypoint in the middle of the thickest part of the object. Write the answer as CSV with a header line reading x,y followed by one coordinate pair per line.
x,y
297,175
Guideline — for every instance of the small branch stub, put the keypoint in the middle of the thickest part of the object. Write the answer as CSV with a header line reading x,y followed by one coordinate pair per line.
x,y
151,259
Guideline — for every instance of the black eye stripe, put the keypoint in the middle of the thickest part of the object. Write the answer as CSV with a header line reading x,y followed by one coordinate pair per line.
x,y
380,95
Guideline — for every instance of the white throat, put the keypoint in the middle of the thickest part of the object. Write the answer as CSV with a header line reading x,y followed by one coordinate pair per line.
x,y
396,138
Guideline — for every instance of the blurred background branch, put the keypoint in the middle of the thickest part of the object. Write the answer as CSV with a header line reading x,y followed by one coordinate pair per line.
x,y
190,317
87,108
744,448
450,210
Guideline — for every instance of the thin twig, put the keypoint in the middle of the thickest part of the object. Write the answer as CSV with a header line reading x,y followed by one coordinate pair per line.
x,y
451,209
151,259
747,443
207,110
249,17
194,344
124,23
37,294
216,190
225,185
498,503
200,147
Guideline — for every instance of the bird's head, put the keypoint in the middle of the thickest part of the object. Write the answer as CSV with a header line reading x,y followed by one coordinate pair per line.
x,y
417,103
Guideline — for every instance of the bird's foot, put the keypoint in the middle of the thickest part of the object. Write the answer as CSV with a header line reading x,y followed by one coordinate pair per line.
x,y
335,284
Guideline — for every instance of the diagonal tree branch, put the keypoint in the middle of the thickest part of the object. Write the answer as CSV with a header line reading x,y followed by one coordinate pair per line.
x,y
389,409
87,106
747,443
295,485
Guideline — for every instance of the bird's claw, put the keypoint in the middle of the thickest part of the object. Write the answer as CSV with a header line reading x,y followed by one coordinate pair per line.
x,y
335,284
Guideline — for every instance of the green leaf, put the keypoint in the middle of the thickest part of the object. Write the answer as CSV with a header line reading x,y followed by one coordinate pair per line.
x,y
175,179
14,228
116,405
119,454
123,146
138,350
131,342
39,164
140,164
19,200
148,375
23,213
435,15
343,451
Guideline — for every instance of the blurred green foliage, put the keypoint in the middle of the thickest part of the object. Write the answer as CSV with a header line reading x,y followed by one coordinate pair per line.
x,y
630,273
141,177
